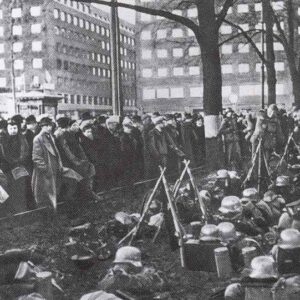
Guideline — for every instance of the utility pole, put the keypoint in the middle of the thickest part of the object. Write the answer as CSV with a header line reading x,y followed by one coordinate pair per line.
x,y
263,54
116,87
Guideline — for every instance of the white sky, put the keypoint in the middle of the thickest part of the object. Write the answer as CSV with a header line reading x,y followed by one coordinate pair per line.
x,y
125,14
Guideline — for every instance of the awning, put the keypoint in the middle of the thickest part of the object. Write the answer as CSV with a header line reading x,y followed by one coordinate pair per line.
x,y
37,95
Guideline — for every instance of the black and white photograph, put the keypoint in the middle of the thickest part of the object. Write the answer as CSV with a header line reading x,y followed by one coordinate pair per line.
x,y
150,149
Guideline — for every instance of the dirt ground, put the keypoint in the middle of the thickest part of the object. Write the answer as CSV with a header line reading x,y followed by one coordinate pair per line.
x,y
51,234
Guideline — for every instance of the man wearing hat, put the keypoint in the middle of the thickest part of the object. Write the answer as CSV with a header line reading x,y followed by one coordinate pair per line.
x,y
189,139
73,156
158,145
128,274
47,172
229,129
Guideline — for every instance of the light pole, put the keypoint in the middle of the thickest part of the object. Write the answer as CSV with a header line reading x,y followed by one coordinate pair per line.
x,y
116,87
263,54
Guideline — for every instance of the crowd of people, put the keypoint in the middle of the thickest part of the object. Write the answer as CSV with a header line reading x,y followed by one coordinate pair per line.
x,y
40,158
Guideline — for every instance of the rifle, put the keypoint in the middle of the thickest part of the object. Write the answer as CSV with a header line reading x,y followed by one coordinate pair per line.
x,y
200,200
179,180
178,228
135,229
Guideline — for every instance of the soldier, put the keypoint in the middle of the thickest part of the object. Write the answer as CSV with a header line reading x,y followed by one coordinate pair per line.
x,y
229,129
128,274
259,282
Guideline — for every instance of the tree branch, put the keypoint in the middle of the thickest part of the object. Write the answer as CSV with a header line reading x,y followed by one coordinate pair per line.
x,y
150,11
223,13
248,38
255,31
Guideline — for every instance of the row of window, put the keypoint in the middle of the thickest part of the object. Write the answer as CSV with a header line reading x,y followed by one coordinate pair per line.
x,y
82,69
82,53
244,48
192,12
37,63
93,100
87,25
195,70
36,46
18,31
16,12
197,91
176,52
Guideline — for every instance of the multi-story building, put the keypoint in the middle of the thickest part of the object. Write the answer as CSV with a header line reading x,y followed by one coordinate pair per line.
x,y
169,76
62,48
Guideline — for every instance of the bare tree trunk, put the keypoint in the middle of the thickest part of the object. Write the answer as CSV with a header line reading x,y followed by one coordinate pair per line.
x,y
212,81
270,55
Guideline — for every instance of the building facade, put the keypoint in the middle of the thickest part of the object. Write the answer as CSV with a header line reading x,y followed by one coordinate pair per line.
x,y
169,67
62,47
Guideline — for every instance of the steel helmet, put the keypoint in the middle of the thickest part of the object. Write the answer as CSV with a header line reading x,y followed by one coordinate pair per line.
x,y
263,267
209,232
227,231
222,174
282,181
130,255
251,194
230,204
290,238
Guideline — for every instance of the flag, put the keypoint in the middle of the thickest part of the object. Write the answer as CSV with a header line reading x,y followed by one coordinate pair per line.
x,y
48,77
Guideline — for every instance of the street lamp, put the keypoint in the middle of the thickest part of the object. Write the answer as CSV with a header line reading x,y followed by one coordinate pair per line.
x,y
263,54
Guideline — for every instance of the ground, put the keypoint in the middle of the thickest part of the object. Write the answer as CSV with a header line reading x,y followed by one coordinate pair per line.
x,y
51,234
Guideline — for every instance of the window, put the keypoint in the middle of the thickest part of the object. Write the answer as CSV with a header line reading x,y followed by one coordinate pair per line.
x,y
2,82
69,19
161,33
244,68
19,64
147,73
193,51
258,7
227,69
75,20
146,35
56,13
258,67
16,13
279,66
178,71
227,49
162,72
281,26
258,26
92,27
196,91
78,99
19,81
280,89
192,12
36,46
1,14
194,70
278,46
17,47
177,32
17,30
245,27
162,93
162,53
243,48
36,28
35,11
146,54
177,52
37,63
1,48
177,12
2,64
145,17
58,64
225,29
242,8
226,91
1,31
177,92
190,32
250,90
87,25
81,25
258,45
63,16
148,94
277,5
